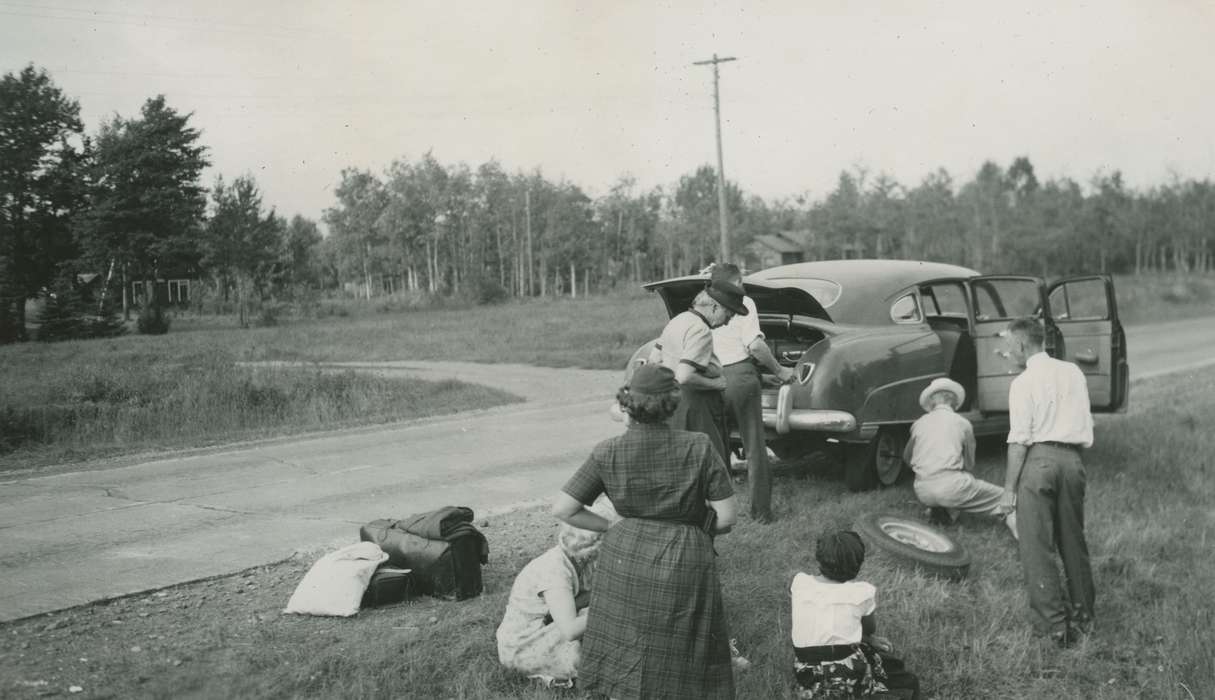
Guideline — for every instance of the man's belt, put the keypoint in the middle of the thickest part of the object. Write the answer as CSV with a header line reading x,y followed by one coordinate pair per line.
x,y
1062,445
747,361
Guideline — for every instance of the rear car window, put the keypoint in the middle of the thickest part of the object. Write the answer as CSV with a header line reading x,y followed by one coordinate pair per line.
x,y
905,310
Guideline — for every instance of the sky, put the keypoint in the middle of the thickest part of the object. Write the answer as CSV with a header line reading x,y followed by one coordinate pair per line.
x,y
293,92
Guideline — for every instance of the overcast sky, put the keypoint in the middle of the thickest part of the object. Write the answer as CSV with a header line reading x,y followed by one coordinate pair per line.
x,y
292,92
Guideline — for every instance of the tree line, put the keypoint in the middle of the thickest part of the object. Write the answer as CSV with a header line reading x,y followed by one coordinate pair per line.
x,y
127,203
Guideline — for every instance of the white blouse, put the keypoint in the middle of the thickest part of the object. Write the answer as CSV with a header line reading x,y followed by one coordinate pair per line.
x,y
827,612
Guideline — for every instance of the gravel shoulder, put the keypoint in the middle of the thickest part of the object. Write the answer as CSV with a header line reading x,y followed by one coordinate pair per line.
x,y
186,640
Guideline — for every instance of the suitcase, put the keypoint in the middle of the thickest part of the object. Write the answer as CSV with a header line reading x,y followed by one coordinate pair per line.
x,y
389,585
440,567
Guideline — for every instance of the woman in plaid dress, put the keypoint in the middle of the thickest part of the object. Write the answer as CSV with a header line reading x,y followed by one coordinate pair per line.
x,y
656,626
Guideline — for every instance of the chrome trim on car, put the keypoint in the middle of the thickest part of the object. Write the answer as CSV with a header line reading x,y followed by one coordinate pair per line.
x,y
786,418
804,371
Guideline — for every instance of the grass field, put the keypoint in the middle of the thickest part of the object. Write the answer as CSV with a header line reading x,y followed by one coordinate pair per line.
x,y
74,401
1151,530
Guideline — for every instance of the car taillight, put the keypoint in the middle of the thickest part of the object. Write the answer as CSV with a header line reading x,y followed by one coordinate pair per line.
x,y
804,371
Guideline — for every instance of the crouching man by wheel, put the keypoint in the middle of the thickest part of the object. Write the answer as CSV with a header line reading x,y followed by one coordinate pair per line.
x,y
941,451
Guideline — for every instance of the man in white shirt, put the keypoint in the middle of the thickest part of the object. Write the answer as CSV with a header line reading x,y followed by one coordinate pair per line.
x,y
1049,424
739,345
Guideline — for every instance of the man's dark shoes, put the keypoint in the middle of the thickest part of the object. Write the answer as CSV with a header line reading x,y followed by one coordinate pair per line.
x,y
1064,638
1075,631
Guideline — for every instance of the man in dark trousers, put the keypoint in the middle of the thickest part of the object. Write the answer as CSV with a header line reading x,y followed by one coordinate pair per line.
x,y
741,348
1050,423
686,348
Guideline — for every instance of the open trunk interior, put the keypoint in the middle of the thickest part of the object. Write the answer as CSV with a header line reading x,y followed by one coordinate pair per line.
x,y
789,341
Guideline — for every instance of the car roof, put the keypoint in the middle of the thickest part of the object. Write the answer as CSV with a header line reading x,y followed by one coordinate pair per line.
x,y
866,285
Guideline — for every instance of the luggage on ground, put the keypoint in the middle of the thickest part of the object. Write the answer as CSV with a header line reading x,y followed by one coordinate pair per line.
x,y
337,581
442,547
389,585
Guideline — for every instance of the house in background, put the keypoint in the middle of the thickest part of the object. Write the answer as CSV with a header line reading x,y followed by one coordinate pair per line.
x,y
772,249
170,290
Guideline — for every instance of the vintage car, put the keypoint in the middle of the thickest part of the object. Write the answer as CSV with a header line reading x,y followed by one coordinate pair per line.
x,y
866,336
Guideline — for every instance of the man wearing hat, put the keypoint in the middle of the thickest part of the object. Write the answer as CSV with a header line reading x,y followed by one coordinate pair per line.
x,y
741,347
686,348
941,451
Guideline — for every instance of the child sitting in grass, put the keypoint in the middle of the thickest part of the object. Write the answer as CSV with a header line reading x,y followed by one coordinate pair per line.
x,y
541,632
941,452
838,654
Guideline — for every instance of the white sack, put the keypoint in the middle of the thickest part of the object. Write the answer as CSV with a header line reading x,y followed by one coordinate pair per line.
x,y
336,582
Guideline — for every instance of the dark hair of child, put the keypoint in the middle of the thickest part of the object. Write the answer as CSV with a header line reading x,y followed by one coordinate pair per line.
x,y
840,555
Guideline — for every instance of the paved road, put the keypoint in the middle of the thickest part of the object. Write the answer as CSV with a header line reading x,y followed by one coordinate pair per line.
x,y
1175,346
121,527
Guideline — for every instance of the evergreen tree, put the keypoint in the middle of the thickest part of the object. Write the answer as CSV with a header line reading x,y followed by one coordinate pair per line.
x,y
147,202
38,165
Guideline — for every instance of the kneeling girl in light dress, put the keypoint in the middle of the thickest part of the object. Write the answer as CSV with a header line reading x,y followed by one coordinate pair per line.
x,y
541,632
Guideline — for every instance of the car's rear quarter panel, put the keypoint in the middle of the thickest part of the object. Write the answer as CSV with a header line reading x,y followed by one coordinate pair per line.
x,y
875,374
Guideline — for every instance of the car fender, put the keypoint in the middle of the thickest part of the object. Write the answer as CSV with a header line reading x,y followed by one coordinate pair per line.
x,y
876,375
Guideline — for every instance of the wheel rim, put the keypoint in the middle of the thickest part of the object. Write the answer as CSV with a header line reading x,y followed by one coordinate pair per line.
x,y
888,459
916,535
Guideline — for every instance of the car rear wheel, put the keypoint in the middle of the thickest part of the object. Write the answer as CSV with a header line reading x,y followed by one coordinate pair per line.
x,y
879,461
914,542
888,454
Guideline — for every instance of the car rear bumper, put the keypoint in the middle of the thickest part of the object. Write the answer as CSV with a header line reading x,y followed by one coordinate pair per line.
x,y
785,419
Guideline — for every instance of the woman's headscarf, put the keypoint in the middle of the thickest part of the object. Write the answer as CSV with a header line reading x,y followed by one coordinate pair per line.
x,y
840,555
581,546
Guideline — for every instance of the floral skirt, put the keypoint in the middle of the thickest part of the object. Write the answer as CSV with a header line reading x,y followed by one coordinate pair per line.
x,y
860,672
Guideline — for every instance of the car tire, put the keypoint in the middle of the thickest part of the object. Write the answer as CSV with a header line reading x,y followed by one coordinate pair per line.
x,y
913,542
878,462
888,454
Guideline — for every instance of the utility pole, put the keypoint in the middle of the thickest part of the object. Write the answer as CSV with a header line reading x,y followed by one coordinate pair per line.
x,y
527,208
721,170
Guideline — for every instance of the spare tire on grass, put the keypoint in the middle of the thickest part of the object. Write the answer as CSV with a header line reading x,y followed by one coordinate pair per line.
x,y
914,542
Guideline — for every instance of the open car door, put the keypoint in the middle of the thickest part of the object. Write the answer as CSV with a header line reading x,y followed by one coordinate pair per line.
x,y
994,301
1086,314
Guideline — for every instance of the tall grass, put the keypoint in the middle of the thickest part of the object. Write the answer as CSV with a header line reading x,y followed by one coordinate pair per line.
x,y
1151,527
90,406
